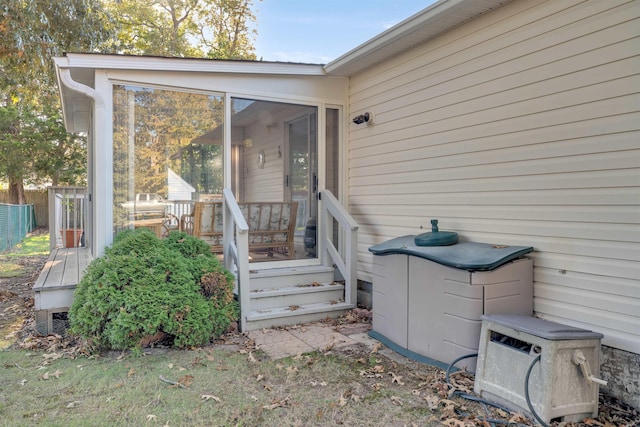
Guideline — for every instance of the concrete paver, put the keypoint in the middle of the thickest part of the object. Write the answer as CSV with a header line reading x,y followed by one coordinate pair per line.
x,y
279,343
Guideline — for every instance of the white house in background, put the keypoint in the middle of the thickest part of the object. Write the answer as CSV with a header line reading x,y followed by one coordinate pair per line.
x,y
514,122
178,188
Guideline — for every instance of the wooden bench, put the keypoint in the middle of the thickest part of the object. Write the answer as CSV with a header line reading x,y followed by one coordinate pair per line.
x,y
271,225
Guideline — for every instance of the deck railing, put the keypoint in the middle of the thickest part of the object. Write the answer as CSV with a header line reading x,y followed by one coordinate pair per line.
x,y
341,229
67,217
236,251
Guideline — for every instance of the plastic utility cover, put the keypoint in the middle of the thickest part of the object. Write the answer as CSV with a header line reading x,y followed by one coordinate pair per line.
x,y
542,328
465,256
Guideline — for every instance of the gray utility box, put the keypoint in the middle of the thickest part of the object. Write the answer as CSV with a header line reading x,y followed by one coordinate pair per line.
x,y
558,387
424,309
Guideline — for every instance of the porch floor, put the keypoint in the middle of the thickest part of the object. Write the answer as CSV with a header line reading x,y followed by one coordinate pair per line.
x,y
53,291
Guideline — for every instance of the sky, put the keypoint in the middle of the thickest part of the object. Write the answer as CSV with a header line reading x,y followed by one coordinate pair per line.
x,y
319,31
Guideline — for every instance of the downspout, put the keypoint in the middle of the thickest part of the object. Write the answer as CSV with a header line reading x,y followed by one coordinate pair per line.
x,y
99,112
67,80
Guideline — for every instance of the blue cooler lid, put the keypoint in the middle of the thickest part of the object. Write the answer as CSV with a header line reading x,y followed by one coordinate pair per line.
x,y
465,256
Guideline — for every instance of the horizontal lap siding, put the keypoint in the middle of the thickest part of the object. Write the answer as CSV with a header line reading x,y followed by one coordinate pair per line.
x,y
520,127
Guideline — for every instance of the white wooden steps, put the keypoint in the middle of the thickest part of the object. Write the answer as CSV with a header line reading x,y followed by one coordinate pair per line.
x,y
289,296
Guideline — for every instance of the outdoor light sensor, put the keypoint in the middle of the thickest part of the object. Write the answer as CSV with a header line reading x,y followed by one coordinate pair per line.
x,y
363,118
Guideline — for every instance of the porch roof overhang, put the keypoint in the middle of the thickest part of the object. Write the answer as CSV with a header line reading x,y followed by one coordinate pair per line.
x,y
427,24
77,102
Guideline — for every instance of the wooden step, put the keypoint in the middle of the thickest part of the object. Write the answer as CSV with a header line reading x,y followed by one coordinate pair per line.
x,y
292,315
289,277
297,295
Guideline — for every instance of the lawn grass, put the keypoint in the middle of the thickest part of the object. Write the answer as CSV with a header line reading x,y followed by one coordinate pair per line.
x,y
224,388
33,245
36,244
10,269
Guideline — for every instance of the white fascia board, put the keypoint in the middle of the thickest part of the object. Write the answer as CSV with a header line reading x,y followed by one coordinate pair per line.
x,y
147,63
63,91
436,19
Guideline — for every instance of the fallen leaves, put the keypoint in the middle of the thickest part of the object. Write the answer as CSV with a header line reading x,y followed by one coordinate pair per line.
x,y
186,380
183,382
282,403
396,400
55,374
318,383
396,379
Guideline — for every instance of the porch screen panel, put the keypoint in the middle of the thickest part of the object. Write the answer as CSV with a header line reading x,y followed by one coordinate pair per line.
x,y
167,154
275,160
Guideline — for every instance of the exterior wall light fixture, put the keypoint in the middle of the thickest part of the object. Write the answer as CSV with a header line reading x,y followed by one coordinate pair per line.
x,y
363,118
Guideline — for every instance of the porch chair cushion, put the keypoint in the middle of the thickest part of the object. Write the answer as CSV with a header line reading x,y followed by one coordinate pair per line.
x,y
271,224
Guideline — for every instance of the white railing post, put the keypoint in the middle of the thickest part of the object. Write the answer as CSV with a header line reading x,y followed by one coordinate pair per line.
x,y
346,262
235,243
52,218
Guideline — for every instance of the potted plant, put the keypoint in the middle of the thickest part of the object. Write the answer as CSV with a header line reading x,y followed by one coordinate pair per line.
x,y
72,225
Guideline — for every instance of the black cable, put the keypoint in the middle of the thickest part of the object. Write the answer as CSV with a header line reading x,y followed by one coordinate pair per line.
x,y
478,399
466,356
526,392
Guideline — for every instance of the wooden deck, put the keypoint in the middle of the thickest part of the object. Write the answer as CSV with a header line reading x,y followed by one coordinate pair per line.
x,y
53,291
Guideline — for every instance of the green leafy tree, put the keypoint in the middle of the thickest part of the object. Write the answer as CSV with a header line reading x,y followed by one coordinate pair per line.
x,y
225,31
185,28
34,146
33,31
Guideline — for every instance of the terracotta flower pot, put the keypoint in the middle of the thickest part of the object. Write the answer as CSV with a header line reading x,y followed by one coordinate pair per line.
x,y
71,238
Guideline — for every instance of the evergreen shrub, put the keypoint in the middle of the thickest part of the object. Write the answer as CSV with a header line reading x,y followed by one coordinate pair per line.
x,y
144,286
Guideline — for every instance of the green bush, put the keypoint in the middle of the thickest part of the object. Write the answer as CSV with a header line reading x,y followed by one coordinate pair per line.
x,y
143,286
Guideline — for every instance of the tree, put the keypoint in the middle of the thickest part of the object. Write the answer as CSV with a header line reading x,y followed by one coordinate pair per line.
x,y
184,28
33,31
34,146
228,23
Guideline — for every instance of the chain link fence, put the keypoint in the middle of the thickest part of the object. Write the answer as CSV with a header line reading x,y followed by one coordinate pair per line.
x,y
15,222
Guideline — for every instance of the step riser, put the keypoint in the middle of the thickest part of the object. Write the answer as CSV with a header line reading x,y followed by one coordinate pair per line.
x,y
261,303
289,280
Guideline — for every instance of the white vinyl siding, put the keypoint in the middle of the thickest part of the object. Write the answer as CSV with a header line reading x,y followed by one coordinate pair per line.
x,y
519,127
266,184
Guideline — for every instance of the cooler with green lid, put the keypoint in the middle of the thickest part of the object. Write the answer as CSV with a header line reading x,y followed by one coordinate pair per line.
x,y
428,300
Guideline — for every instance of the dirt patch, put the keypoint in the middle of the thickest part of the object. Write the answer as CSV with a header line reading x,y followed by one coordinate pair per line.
x,y
16,296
